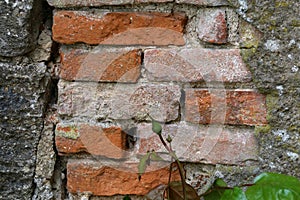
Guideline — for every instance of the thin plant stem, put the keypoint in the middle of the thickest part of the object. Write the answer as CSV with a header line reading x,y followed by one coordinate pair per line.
x,y
181,171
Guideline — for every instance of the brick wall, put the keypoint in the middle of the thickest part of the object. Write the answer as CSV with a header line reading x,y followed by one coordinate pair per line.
x,y
179,62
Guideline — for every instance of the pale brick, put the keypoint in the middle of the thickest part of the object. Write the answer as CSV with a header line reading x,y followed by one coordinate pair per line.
x,y
81,3
101,64
100,180
243,107
152,1
95,140
196,65
205,2
212,26
118,101
119,28
210,145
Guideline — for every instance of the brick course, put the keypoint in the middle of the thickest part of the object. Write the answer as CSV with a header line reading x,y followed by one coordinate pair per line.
x,y
101,65
204,2
212,26
99,101
239,107
118,28
196,65
85,175
95,140
211,145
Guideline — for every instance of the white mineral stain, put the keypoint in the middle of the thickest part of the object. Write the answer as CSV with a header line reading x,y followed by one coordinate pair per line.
x,y
272,45
292,155
282,133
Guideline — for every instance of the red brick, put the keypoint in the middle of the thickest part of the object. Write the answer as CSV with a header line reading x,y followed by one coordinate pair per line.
x,y
204,2
90,3
118,101
244,107
196,65
102,65
118,28
212,26
95,140
195,143
88,176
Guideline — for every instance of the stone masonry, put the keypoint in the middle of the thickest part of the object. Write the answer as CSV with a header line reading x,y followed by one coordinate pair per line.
x,y
80,79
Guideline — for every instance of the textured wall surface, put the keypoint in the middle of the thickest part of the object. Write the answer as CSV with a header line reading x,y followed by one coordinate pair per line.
x,y
222,77
19,26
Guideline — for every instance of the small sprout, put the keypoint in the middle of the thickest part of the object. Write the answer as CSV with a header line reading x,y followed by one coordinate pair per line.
x,y
169,139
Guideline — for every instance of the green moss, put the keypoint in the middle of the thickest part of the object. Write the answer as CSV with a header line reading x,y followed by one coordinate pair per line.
x,y
280,4
262,129
247,53
271,103
295,23
70,132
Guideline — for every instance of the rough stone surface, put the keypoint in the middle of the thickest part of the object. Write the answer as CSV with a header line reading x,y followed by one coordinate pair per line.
x,y
212,26
118,28
101,65
45,164
275,66
118,101
204,2
244,107
195,65
19,26
22,105
95,140
85,175
204,144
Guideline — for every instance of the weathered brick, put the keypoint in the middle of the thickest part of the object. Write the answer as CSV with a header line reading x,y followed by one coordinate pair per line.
x,y
152,1
95,140
101,64
194,143
119,28
118,101
204,2
212,26
244,107
195,65
90,3
89,176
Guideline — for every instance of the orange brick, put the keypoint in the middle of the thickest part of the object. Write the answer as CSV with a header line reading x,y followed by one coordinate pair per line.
x,y
104,65
109,142
118,28
86,175
244,107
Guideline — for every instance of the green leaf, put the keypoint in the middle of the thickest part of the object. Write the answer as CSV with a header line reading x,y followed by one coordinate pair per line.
x,y
175,191
144,161
220,183
274,186
234,194
155,157
216,190
156,127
